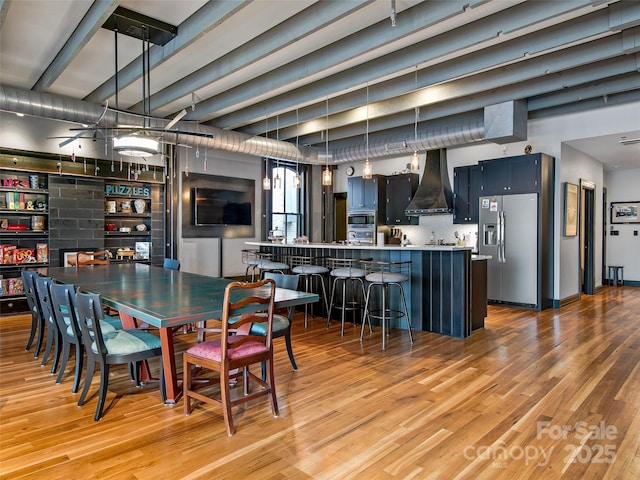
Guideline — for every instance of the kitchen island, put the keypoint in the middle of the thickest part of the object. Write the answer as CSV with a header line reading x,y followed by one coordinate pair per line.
x,y
441,291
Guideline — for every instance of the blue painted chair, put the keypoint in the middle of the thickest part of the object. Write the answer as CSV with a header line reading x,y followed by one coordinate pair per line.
x,y
54,341
37,320
119,347
171,264
64,310
282,319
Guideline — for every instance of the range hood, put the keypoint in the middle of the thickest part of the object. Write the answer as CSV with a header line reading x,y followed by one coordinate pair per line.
x,y
434,195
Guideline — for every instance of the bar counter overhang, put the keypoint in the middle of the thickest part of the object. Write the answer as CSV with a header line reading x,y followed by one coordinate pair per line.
x,y
439,293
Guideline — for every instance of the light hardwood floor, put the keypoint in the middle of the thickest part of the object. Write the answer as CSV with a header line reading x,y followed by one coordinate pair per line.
x,y
532,396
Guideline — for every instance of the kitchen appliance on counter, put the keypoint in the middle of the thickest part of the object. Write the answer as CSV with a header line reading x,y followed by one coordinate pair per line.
x,y
362,227
508,231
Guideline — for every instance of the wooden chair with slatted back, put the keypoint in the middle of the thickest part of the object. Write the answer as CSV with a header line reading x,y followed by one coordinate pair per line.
x,y
232,354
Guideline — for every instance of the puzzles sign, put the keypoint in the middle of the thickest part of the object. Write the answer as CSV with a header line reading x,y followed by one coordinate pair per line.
x,y
127,190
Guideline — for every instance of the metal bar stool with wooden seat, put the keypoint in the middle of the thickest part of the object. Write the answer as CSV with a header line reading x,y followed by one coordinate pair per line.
x,y
385,274
308,268
346,271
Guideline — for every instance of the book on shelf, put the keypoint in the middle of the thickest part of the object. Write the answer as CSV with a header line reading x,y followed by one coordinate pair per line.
x,y
6,253
42,252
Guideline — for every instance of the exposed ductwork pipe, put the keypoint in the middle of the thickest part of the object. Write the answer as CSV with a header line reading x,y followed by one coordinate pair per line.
x,y
58,107
431,139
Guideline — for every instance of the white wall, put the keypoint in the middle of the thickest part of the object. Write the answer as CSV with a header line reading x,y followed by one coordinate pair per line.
x,y
576,166
623,249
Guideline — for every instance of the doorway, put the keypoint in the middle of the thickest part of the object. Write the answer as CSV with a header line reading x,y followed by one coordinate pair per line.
x,y
587,236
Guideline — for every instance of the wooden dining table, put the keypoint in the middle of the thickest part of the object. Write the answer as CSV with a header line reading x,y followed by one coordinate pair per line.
x,y
163,298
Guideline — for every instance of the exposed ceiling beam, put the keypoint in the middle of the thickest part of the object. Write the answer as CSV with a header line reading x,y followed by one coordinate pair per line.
x,y
86,29
466,39
4,9
197,25
435,96
270,42
320,62
489,88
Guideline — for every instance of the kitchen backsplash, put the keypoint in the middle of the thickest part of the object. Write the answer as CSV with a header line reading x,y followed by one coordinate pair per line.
x,y
443,228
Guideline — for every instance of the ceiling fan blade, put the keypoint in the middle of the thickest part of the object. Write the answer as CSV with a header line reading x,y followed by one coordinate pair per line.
x,y
176,119
71,139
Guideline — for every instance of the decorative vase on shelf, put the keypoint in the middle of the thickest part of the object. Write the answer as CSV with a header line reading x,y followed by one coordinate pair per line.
x,y
140,205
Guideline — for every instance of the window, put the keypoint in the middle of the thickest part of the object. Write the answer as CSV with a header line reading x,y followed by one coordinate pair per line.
x,y
287,207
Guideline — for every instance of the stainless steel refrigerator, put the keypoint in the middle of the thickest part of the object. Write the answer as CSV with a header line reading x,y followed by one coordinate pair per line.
x,y
508,229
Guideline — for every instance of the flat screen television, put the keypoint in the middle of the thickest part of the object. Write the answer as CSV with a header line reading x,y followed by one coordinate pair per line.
x,y
213,206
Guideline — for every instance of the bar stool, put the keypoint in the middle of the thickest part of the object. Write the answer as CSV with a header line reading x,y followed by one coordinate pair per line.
x,y
270,262
251,260
346,271
386,274
616,275
308,268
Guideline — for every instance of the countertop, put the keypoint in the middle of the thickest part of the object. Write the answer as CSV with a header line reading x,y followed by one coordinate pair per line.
x,y
361,247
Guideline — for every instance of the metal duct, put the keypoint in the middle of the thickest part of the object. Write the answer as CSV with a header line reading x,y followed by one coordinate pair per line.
x,y
58,107
430,139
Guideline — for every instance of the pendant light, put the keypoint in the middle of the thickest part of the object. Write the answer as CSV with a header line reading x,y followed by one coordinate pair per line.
x,y
415,159
277,181
297,180
266,181
326,173
367,170
137,145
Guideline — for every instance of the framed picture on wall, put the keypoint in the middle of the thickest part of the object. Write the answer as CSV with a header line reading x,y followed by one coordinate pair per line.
x,y
625,212
570,217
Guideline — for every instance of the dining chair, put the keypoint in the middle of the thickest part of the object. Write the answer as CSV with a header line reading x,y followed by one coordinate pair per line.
x,y
281,318
54,341
37,320
237,348
99,257
64,312
171,264
119,347
63,305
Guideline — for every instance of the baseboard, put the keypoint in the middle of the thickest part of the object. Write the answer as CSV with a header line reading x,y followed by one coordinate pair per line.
x,y
629,283
566,300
